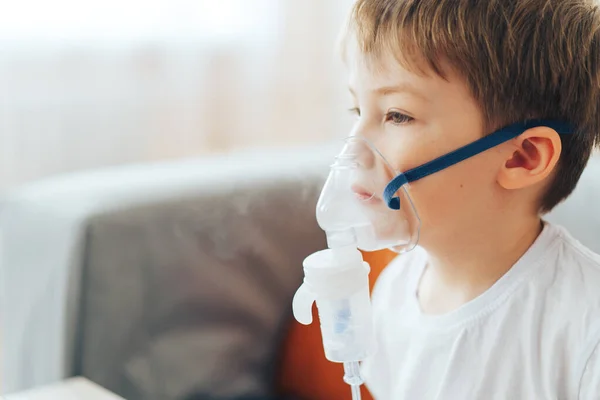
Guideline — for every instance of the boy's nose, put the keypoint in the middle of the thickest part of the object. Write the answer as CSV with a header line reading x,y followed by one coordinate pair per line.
x,y
366,158
361,152
365,140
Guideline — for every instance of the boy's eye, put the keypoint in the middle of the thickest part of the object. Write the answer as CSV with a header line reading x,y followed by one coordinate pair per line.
x,y
397,118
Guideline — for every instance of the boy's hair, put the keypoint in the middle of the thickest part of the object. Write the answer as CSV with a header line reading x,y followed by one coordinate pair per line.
x,y
521,59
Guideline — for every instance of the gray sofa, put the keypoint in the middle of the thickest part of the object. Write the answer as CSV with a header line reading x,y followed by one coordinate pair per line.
x,y
158,281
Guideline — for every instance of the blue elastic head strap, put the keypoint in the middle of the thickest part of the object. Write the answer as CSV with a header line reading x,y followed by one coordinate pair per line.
x,y
485,143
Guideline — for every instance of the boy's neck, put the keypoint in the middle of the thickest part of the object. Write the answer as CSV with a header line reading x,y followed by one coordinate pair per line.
x,y
458,271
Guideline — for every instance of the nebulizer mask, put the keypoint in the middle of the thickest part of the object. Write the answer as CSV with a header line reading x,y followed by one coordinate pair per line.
x,y
366,205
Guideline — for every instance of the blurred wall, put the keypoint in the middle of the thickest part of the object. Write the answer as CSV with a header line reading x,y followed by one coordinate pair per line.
x,y
96,83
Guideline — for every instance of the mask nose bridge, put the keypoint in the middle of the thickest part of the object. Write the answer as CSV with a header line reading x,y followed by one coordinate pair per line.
x,y
360,152
365,143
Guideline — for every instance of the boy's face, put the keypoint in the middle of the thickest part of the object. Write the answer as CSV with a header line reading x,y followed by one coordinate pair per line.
x,y
412,119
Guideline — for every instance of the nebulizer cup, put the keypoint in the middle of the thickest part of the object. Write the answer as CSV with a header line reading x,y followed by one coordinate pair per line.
x,y
354,217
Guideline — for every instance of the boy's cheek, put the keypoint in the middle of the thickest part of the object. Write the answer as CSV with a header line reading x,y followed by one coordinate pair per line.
x,y
406,155
453,196
450,191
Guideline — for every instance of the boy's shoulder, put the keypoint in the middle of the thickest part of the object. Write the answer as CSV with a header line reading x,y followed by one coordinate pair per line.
x,y
571,289
573,276
575,262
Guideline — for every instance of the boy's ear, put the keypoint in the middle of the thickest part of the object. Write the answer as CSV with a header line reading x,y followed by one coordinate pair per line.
x,y
534,156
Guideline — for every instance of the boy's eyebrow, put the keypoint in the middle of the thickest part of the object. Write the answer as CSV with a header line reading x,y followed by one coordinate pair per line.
x,y
400,88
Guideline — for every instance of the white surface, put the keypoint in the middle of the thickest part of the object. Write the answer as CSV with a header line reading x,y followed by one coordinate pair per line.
x,y
530,336
71,389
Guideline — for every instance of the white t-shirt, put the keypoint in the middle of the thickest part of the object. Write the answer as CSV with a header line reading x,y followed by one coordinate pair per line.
x,y
533,335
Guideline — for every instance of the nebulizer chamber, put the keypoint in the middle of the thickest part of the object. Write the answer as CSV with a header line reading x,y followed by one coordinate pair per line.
x,y
337,278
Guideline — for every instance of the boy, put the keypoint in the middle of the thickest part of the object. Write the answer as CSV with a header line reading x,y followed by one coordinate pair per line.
x,y
495,303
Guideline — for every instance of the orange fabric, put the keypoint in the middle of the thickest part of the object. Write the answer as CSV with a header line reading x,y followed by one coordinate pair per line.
x,y
304,370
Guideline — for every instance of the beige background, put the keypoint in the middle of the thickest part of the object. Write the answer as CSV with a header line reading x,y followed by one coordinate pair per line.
x,y
84,87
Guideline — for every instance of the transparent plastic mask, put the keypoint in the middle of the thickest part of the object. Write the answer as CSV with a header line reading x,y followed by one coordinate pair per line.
x,y
351,209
